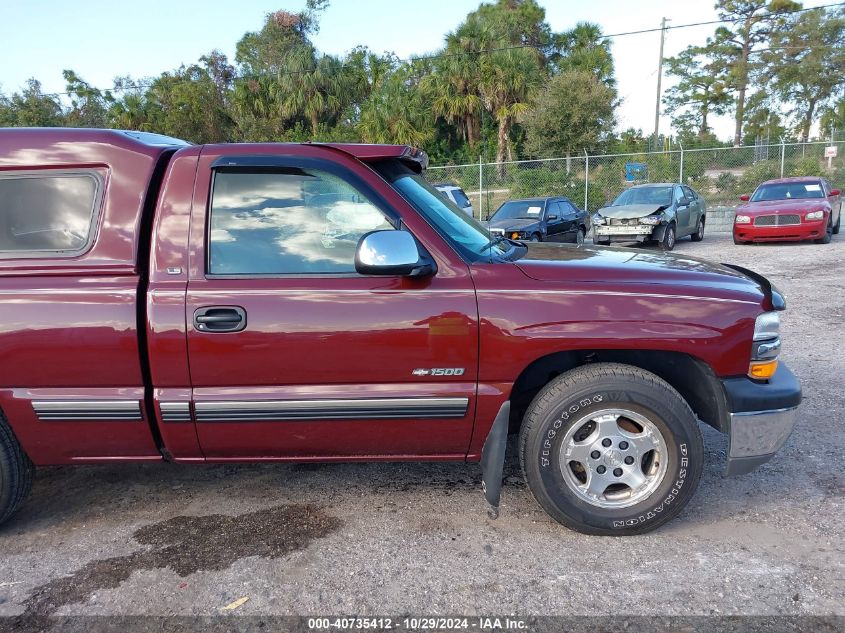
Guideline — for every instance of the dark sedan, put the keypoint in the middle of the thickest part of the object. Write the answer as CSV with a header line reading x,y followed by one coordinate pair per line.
x,y
553,219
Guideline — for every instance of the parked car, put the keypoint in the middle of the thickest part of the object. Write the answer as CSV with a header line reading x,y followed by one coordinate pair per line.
x,y
554,219
322,302
789,210
659,212
457,196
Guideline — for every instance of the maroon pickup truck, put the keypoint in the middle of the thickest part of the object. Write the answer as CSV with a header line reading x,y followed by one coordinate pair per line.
x,y
161,301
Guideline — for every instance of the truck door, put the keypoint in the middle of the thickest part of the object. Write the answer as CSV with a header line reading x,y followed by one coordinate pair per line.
x,y
292,353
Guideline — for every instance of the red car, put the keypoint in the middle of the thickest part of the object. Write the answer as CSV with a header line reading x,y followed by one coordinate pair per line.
x,y
789,210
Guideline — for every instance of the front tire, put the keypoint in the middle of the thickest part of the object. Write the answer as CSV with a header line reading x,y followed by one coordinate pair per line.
x,y
611,449
580,234
669,237
15,472
699,231
828,233
535,237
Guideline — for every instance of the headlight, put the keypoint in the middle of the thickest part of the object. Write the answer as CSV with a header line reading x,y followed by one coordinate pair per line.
x,y
743,219
598,220
767,326
651,219
814,215
765,346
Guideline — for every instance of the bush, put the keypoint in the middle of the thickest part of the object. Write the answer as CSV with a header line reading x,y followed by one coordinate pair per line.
x,y
760,172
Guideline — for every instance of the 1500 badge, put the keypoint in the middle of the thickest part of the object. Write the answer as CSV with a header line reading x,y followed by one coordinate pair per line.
x,y
439,371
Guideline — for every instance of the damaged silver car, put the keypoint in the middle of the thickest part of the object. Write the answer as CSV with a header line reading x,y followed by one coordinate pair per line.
x,y
659,212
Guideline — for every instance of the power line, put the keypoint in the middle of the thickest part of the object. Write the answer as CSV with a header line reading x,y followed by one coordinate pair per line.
x,y
487,51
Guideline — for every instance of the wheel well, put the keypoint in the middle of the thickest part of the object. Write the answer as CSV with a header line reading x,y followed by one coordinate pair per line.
x,y
690,376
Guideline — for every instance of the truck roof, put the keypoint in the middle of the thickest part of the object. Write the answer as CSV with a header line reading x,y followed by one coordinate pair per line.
x,y
13,140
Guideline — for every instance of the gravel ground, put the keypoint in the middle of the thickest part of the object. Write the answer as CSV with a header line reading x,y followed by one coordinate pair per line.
x,y
415,538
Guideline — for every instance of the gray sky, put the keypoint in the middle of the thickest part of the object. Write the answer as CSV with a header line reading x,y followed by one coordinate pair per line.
x,y
101,39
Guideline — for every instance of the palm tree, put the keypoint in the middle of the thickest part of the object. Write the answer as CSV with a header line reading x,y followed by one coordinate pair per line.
x,y
308,87
396,111
508,80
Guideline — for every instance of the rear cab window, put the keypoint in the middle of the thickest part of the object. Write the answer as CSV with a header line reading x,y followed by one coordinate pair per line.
x,y
48,214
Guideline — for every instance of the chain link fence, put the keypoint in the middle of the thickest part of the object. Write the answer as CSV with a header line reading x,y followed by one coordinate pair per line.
x,y
719,174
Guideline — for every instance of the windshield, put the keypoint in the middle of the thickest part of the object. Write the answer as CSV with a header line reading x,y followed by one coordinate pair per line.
x,y
788,191
645,195
470,238
519,210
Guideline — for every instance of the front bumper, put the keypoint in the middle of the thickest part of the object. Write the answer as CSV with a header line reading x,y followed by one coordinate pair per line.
x,y
812,230
624,233
762,416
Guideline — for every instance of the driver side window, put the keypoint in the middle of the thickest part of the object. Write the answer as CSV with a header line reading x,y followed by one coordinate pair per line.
x,y
291,222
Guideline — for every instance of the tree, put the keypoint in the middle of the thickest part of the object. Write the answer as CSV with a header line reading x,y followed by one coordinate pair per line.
x,y
511,41
833,118
575,112
585,48
31,108
88,105
131,109
509,79
763,119
191,103
751,23
806,62
700,91
453,86
396,111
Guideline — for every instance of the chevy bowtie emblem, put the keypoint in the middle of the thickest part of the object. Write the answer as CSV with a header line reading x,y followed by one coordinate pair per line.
x,y
439,371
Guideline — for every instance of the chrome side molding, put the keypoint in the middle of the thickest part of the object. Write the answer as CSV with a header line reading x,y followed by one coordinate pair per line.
x,y
376,408
81,410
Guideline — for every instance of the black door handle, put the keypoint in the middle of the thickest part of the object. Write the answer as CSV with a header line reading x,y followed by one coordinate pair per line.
x,y
220,319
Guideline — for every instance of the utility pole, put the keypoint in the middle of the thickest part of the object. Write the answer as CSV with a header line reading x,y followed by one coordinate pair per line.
x,y
659,77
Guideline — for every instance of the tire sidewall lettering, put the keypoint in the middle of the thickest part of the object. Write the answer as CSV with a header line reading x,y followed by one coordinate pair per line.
x,y
667,494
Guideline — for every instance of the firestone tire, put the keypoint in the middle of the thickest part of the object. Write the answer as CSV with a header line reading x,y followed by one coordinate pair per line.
x,y
16,472
550,448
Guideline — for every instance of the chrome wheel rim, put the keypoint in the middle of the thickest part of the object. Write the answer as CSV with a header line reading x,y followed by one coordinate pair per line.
x,y
700,229
670,237
613,458
579,238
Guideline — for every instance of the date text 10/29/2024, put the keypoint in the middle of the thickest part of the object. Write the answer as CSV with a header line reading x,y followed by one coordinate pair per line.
x,y
418,624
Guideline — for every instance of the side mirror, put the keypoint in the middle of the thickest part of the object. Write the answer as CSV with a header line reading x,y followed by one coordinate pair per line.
x,y
391,253
745,197
835,192
551,217
684,202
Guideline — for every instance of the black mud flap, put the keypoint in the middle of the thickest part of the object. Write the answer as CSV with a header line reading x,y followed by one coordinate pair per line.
x,y
493,459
